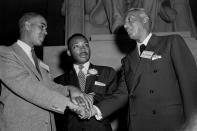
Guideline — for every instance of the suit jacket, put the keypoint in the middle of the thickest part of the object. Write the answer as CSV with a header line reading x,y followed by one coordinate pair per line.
x,y
27,98
162,91
103,84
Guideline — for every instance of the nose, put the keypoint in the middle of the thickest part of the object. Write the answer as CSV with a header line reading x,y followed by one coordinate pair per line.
x,y
45,32
83,47
126,26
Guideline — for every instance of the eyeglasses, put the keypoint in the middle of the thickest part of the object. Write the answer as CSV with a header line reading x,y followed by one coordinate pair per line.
x,y
42,27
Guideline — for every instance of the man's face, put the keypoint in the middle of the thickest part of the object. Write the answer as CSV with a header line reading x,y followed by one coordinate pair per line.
x,y
79,49
38,26
133,25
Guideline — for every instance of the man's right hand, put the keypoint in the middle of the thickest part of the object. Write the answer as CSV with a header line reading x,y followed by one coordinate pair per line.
x,y
74,107
77,97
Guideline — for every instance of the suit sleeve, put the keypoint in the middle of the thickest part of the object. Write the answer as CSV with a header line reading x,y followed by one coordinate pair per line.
x,y
114,100
186,71
110,77
17,78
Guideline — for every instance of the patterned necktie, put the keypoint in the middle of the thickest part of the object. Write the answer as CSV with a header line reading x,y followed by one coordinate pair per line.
x,y
142,48
35,61
82,78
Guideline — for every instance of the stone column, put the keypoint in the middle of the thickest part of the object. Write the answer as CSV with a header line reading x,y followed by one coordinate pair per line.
x,y
74,17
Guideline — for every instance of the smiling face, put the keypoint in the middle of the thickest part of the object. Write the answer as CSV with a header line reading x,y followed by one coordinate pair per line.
x,y
79,49
135,24
36,27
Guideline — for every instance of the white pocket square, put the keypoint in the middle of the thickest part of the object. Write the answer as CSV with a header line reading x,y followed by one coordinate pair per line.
x,y
155,57
99,83
45,66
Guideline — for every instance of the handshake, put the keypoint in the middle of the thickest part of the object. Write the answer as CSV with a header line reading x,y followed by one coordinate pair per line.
x,y
82,103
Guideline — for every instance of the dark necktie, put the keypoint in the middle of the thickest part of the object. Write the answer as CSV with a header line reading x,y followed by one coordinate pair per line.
x,y
35,61
142,48
81,77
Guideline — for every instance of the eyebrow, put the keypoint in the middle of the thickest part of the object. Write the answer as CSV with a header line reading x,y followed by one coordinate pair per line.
x,y
136,9
42,23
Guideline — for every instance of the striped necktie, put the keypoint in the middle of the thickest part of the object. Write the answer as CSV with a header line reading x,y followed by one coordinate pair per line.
x,y
82,78
35,61
142,48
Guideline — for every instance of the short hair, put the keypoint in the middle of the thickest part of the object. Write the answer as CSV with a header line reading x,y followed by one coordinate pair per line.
x,y
26,17
75,36
145,14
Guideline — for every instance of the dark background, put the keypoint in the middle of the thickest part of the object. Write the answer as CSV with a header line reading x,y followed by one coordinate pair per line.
x,y
12,10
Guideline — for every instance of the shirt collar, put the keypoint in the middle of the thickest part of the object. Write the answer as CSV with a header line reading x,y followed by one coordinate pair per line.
x,y
145,42
24,46
85,69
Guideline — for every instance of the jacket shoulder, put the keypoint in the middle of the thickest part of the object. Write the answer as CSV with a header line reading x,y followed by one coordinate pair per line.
x,y
99,67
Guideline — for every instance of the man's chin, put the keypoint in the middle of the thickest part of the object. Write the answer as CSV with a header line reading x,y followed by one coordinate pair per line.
x,y
83,59
40,42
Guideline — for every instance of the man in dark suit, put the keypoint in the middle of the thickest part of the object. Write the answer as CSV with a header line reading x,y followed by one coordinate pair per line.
x,y
28,94
100,82
161,77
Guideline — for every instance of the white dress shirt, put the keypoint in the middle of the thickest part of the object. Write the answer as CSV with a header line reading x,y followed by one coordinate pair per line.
x,y
98,115
84,70
27,49
145,42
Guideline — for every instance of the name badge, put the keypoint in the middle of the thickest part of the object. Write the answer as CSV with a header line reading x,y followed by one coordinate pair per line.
x,y
147,54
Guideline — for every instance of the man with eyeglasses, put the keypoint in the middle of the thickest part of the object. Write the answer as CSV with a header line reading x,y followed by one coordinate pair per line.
x,y
161,79
29,96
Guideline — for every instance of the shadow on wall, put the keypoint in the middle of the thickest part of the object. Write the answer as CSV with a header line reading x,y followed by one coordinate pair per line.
x,y
123,42
65,61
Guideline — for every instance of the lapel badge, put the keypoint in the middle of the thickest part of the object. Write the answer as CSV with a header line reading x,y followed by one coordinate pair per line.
x,y
99,83
147,54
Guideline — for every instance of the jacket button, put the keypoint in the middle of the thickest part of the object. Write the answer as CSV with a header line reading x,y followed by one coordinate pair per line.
x,y
46,122
151,91
155,70
153,112
133,113
132,95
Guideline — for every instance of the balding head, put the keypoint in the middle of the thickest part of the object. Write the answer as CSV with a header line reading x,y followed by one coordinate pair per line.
x,y
137,23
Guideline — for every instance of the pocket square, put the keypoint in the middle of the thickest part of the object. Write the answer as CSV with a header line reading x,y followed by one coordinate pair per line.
x,y
99,83
155,57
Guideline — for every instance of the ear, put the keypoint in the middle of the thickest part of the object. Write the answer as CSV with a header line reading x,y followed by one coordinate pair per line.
x,y
68,52
146,19
27,25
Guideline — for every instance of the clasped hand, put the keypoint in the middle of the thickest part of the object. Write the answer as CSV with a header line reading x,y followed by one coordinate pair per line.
x,y
86,109
82,103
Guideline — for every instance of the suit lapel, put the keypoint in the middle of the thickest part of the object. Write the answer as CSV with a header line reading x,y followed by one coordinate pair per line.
x,y
22,56
90,80
134,59
151,46
133,63
73,78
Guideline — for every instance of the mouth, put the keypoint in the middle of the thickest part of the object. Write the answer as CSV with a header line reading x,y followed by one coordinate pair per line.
x,y
42,37
83,54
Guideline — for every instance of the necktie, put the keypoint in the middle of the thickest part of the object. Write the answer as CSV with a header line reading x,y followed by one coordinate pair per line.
x,y
35,61
81,77
142,48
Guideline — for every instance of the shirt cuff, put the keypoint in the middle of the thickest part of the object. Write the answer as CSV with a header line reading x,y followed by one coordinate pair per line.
x,y
98,115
